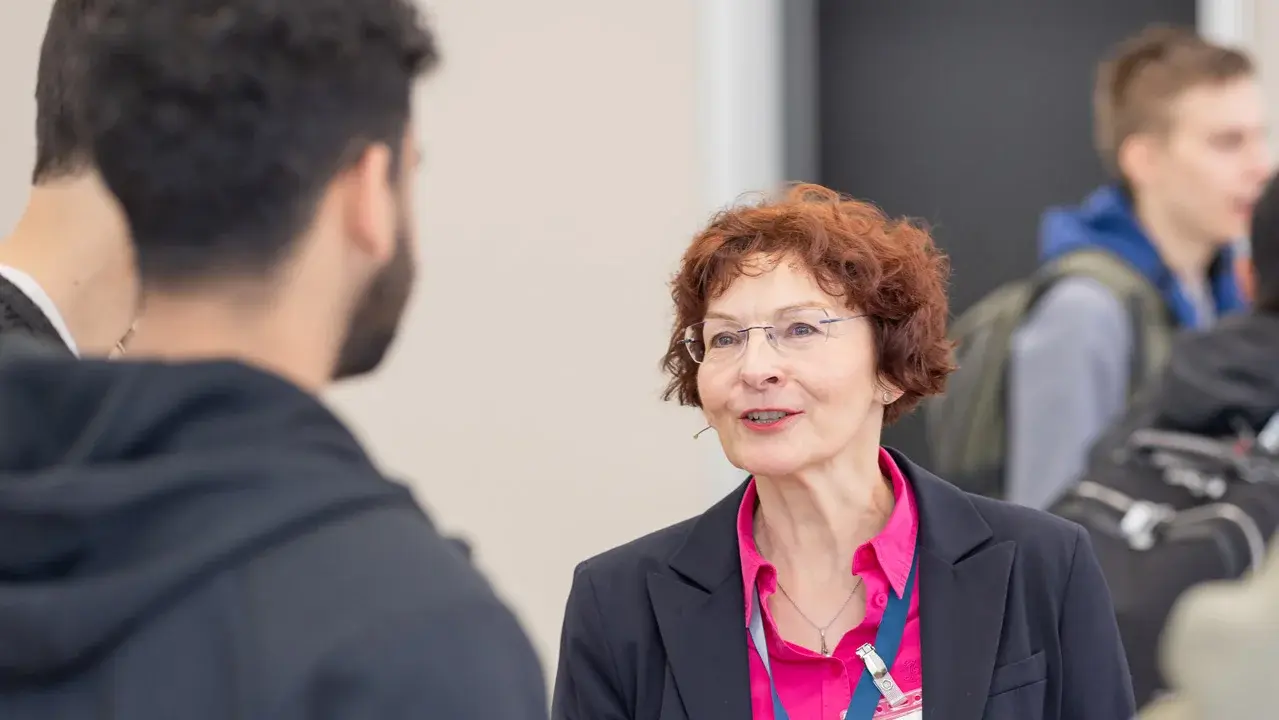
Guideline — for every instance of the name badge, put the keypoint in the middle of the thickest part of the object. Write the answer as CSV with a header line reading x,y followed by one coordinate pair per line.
x,y
883,679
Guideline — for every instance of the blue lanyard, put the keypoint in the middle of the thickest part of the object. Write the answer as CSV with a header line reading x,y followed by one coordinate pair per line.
x,y
887,642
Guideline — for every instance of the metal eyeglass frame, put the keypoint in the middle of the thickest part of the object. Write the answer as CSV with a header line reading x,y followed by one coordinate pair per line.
x,y
745,332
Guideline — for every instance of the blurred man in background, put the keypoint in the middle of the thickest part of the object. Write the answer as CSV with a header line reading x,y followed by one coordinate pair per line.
x,y
1181,123
66,271
191,533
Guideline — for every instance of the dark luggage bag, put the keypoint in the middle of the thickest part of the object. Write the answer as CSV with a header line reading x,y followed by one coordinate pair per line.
x,y
1169,510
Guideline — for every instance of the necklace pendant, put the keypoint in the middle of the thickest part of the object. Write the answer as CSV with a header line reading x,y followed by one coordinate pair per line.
x,y
825,650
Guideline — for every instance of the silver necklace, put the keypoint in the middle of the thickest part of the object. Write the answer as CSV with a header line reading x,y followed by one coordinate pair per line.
x,y
821,631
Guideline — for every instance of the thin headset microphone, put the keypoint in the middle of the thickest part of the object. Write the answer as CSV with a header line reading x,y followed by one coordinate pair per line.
x,y
699,432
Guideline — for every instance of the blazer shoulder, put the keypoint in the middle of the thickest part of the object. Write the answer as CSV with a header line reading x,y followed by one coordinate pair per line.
x,y
1047,545
1025,525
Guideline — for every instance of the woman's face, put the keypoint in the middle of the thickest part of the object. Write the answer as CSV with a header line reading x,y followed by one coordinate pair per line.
x,y
800,405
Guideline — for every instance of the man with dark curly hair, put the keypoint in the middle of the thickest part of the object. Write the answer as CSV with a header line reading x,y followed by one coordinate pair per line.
x,y
190,533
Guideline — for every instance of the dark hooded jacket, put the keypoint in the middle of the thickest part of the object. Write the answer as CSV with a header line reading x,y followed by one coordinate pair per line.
x,y
1218,382
1223,377
191,541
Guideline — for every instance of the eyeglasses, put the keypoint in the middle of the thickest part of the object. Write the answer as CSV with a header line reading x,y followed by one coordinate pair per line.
x,y
790,332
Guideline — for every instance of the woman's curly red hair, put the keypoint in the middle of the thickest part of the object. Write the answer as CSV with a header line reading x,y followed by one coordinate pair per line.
x,y
888,269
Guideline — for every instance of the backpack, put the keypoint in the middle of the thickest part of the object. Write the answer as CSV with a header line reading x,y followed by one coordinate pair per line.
x,y
966,427
1167,511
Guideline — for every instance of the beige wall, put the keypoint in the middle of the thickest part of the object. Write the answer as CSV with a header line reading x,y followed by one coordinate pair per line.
x,y
1263,43
560,186
1252,25
21,29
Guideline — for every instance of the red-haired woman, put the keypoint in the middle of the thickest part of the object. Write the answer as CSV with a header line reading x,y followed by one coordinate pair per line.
x,y
840,581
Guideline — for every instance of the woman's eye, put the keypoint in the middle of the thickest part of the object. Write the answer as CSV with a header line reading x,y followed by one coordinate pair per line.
x,y
800,329
724,339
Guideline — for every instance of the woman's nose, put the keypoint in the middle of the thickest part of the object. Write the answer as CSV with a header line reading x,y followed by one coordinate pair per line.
x,y
761,363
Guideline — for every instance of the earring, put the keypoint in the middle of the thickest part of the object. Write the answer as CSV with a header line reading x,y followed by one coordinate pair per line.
x,y
888,397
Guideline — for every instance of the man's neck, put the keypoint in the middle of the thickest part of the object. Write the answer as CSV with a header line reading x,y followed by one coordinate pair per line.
x,y
239,326
1187,255
72,241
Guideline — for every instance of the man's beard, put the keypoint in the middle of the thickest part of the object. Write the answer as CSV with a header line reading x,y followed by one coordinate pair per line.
x,y
376,320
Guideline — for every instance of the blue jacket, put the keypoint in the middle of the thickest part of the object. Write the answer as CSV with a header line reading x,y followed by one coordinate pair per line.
x,y
1106,220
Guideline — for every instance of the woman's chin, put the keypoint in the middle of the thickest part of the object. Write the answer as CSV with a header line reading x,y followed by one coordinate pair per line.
x,y
771,465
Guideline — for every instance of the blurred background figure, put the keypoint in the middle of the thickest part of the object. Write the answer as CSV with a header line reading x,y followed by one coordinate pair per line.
x,y
66,269
1181,124
1221,650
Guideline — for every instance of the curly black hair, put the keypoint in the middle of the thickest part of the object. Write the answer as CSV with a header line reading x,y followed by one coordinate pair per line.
x,y
219,123
62,145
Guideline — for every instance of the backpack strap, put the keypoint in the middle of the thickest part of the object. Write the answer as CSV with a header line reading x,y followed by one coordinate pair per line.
x,y
1152,325
966,424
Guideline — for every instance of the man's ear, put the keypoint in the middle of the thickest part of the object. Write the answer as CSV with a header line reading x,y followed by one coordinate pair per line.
x,y
1137,157
369,202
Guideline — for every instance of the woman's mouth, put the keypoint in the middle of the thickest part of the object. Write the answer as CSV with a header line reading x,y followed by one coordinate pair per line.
x,y
768,418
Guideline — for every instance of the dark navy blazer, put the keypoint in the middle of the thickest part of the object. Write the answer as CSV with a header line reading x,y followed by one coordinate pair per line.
x,y
1015,617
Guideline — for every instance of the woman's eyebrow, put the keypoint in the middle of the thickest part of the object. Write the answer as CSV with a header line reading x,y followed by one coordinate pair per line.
x,y
779,311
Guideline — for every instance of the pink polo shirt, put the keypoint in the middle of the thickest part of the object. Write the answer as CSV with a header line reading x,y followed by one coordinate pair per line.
x,y
810,686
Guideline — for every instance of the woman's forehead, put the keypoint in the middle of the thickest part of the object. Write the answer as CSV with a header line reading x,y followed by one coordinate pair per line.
x,y
777,288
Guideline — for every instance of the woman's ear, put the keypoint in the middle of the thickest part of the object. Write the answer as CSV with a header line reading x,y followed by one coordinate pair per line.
x,y
888,392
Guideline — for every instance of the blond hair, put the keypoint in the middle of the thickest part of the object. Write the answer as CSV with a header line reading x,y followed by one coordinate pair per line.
x,y
1145,74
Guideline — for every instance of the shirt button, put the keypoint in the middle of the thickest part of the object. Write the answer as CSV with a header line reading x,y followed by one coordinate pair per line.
x,y
881,600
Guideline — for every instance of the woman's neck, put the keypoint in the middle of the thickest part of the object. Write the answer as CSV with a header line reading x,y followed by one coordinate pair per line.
x,y
809,526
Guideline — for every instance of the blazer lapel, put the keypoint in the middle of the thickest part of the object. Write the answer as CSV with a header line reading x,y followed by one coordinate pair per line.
x,y
701,615
961,614
963,584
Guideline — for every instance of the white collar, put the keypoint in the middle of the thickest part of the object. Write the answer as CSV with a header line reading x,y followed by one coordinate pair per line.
x,y
37,295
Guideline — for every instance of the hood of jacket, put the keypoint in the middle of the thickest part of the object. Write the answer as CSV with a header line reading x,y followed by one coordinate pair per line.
x,y
1106,221
1218,379
125,485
